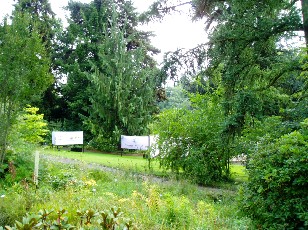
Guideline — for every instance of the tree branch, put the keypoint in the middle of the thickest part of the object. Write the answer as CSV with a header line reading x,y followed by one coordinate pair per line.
x,y
168,9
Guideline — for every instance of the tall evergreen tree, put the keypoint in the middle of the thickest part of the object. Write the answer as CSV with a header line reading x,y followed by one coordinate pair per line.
x,y
84,53
123,90
43,17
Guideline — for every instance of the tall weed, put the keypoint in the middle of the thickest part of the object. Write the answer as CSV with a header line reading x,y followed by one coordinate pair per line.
x,y
149,204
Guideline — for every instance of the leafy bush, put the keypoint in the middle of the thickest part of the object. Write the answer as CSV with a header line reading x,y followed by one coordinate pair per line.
x,y
107,220
28,130
19,167
16,202
176,211
30,126
103,144
260,131
276,196
189,141
62,178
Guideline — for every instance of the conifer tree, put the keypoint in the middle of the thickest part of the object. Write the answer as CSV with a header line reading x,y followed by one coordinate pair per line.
x,y
97,31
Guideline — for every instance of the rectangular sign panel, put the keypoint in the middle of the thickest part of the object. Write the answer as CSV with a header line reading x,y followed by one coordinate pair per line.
x,y
67,138
135,142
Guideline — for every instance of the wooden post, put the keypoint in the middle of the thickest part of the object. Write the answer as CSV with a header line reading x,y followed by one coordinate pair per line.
x,y
36,168
149,151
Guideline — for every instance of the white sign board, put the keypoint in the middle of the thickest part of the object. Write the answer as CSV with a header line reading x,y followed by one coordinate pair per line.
x,y
67,138
135,142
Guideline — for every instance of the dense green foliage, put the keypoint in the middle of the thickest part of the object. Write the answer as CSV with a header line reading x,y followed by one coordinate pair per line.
x,y
111,80
246,49
176,97
106,220
247,92
24,71
42,16
123,90
48,27
28,130
253,61
276,195
150,203
30,127
189,141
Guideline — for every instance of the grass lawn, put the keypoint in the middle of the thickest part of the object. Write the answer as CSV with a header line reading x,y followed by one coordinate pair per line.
x,y
134,163
238,172
125,162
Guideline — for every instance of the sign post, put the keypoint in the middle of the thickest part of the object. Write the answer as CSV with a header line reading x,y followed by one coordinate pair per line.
x,y
36,168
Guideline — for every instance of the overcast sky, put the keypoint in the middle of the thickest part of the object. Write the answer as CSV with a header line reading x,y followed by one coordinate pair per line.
x,y
176,31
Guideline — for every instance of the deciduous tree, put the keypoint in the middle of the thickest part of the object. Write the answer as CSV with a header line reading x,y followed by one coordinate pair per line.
x,y
248,58
24,71
48,27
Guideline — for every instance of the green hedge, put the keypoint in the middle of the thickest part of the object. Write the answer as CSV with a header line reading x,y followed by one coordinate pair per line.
x,y
276,196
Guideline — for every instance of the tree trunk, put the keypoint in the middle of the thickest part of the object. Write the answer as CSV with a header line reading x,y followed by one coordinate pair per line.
x,y
305,19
